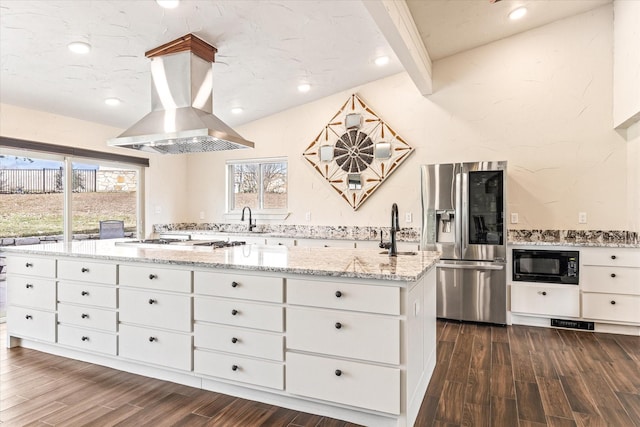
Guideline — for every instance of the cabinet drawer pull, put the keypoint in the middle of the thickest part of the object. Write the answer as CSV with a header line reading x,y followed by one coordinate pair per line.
x,y
235,367
84,269
543,293
29,265
85,338
153,301
338,325
153,339
84,293
28,286
613,257
613,275
613,303
338,294
28,317
338,372
153,276
234,312
84,316
234,284
234,340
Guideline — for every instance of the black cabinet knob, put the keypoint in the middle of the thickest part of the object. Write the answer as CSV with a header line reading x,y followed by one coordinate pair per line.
x,y
234,312
234,284
153,276
84,293
613,303
28,286
544,293
152,301
84,315
235,367
234,340
613,274
152,339
84,269
28,317
338,294
85,338
28,265
338,325
338,372
613,257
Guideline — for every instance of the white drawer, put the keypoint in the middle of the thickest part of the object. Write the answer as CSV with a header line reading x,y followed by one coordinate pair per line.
x,y
240,341
242,286
549,300
31,323
359,384
344,296
620,280
87,339
617,308
88,317
87,271
156,309
621,257
237,368
337,333
33,292
32,266
239,313
156,346
152,277
86,294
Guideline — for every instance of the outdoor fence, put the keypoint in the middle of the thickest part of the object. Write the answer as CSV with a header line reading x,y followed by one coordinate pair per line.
x,y
16,181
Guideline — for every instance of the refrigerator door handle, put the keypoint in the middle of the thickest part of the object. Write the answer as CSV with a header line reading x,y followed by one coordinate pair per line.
x,y
471,267
458,211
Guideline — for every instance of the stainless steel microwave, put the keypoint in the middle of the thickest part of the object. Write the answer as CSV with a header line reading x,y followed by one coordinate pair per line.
x,y
546,266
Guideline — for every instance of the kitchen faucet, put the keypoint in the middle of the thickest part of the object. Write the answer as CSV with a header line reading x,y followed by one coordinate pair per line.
x,y
395,227
252,224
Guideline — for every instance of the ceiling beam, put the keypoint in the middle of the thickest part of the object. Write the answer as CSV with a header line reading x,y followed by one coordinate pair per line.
x,y
398,27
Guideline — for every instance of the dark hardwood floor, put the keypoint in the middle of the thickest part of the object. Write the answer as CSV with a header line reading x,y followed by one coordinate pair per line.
x,y
485,376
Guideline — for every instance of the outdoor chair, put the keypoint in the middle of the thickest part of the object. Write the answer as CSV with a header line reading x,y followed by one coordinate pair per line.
x,y
111,229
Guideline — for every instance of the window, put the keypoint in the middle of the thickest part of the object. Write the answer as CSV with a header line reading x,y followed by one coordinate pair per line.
x,y
259,184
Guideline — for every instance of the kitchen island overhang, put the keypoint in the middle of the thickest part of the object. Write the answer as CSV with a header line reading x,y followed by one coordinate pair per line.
x,y
252,321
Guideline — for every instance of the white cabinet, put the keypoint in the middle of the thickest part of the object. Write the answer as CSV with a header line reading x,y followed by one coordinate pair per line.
x,y
281,241
87,339
240,341
87,271
155,308
156,278
87,294
325,243
31,297
546,299
157,346
610,282
241,286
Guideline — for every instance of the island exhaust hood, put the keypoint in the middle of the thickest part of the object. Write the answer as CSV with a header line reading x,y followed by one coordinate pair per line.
x,y
181,120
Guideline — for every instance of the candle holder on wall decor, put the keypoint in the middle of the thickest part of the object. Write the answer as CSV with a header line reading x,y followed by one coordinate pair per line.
x,y
356,152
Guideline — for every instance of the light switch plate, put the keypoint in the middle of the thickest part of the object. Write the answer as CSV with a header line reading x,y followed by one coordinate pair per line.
x,y
582,217
514,218
408,217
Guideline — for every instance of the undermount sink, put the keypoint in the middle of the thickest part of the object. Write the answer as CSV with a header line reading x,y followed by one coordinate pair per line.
x,y
399,253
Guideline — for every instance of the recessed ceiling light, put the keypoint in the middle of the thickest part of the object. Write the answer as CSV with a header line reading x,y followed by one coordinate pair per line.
x,y
382,60
518,13
168,4
304,87
112,101
79,47
236,110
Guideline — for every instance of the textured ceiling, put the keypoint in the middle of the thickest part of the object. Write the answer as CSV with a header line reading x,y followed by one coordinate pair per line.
x,y
265,49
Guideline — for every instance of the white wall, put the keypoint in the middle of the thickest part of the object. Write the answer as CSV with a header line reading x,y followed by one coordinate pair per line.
x,y
165,178
626,86
541,100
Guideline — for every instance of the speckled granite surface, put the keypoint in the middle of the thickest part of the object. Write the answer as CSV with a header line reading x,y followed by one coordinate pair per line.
x,y
333,262
595,238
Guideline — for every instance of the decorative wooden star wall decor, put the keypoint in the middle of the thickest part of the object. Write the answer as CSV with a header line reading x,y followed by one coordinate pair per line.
x,y
356,151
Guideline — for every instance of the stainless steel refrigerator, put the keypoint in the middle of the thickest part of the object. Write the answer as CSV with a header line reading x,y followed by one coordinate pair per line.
x,y
463,216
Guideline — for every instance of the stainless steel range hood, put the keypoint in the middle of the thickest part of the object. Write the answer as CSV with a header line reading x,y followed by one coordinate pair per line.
x,y
181,120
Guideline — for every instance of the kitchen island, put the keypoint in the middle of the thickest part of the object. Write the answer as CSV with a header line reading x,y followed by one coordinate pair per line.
x,y
345,333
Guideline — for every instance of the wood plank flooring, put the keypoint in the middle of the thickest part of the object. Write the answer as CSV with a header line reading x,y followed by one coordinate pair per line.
x,y
484,376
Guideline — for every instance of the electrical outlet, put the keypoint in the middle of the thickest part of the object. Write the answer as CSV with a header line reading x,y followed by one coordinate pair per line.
x,y
408,217
514,218
582,217
158,210
307,216
201,214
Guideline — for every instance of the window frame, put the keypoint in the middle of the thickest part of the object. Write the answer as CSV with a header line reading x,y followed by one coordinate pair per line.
x,y
260,212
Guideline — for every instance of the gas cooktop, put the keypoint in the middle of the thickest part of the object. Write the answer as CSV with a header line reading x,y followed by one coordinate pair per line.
x,y
181,242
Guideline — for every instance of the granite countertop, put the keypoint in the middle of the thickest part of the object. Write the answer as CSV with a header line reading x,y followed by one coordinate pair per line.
x,y
576,244
331,262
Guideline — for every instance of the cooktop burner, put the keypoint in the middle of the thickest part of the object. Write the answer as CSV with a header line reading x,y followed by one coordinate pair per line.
x,y
182,242
220,243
